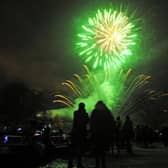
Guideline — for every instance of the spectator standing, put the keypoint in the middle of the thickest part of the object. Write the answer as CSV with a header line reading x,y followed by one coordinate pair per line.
x,y
101,123
78,136
128,134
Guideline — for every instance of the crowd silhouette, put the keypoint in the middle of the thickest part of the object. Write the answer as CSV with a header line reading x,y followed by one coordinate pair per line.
x,y
101,133
95,135
104,134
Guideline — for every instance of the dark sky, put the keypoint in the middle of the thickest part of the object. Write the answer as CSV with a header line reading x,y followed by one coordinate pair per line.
x,y
36,39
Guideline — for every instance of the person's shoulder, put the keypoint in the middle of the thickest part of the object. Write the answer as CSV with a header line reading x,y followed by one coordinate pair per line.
x,y
76,111
93,111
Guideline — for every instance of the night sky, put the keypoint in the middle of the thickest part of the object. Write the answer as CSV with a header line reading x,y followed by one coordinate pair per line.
x,y
36,44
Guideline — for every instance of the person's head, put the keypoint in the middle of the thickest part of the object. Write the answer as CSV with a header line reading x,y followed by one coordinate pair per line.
x,y
81,105
127,117
100,105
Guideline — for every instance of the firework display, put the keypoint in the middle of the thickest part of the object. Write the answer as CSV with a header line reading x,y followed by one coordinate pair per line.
x,y
116,90
107,39
106,42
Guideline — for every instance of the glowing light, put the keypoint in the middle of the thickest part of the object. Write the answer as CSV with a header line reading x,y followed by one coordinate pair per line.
x,y
107,39
116,89
5,139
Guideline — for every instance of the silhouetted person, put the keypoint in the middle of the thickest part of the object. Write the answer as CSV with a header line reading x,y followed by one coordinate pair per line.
x,y
151,135
78,135
46,138
118,134
164,132
128,133
138,134
101,123
32,126
147,136
112,134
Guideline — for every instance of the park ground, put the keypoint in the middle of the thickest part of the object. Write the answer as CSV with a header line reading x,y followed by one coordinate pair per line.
x,y
155,156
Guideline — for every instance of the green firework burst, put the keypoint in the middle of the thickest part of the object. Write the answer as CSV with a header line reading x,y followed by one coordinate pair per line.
x,y
107,39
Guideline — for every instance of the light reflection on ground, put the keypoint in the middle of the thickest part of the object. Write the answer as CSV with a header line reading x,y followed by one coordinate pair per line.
x,y
155,156
59,163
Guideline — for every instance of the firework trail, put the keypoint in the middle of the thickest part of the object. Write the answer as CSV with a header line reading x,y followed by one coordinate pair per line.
x,y
113,90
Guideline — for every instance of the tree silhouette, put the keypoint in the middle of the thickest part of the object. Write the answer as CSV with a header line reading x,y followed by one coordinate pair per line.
x,y
19,102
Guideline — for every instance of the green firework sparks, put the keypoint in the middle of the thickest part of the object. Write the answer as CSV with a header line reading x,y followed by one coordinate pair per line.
x,y
116,90
107,39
